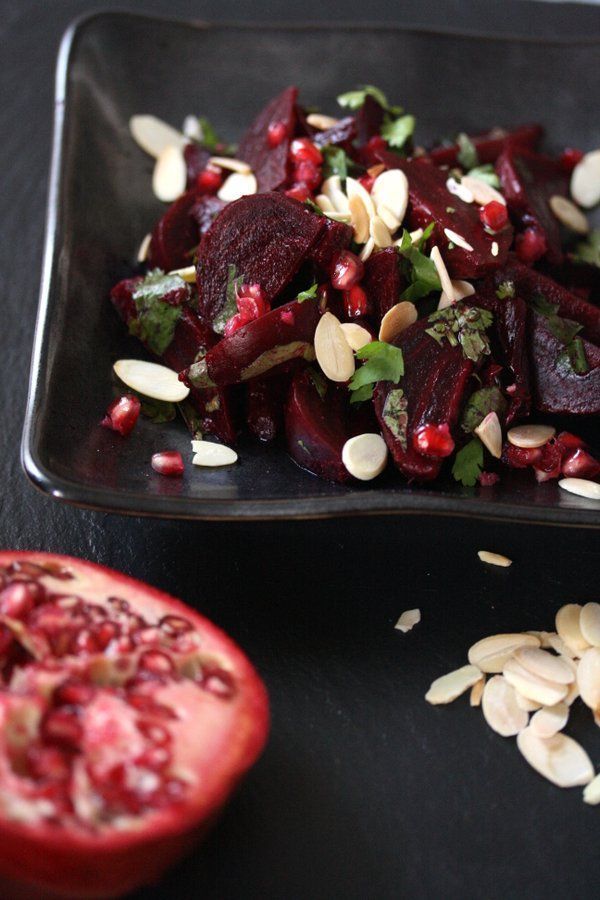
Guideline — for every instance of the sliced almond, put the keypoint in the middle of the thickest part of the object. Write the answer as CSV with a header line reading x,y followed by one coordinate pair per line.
x,y
459,190
151,379
188,274
170,174
573,687
527,704
560,759
457,239
545,692
153,135
477,693
380,232
494,559
581,487
500,708
585,180
543,637
339,216
355,189
324,203
396,320
462,289
495,248
192,128
528,437
332,188
550,720
332,350
591,793
367,250
589,623
213,455
489,433
237,185
390,196
482,192
365,456
440,266
588,678
359,219
450,686
491,653
555,642
142,254
568,214
232,165
544,664
321,122
569,629
356,335
408,619
415,236
376,170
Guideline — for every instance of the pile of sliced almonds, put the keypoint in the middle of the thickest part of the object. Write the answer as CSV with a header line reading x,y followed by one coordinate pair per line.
x,y
540,673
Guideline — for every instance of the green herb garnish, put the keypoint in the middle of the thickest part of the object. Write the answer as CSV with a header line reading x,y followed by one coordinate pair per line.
x,y
588,251
230,307
335,162
462,325
505,289
310,294
384,362
355,99
468,463
485,173
313,207
155,321
395,414
397,131
418,268
564,330
467,153
480,403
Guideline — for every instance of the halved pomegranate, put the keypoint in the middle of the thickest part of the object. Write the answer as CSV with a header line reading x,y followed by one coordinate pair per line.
x,y
126,719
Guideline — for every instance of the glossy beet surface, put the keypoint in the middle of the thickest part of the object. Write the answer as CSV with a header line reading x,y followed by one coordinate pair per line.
x,y
269,162
557,388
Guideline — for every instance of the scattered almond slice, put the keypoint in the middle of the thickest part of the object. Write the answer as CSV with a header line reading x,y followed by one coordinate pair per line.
x,y
232,165
440,267
170,174
213,455
591,792
560,759
568,628
573,687
356,335
396,320
324,203
495,248
321,122
489,433
482,192
332,350
462,289
450,686
527,704
547,693
339,216
408,619
459,190
581,487
585,180
528,437
569,215
544,664
390,196
589,623
457,239
237,185
415,236
153,135
192,129
332,188
380,232
359,219
477,693
555,642
188,274
500,708
365,456
491,653
142,254
494,559
543,637
367,250
151,379
355,189
549,720
588,678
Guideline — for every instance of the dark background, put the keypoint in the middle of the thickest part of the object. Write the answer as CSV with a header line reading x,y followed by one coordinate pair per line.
x,y
364,790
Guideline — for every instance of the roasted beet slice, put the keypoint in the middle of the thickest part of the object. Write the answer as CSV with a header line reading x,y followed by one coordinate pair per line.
x,y
431,392
317,427
557,388
489,145
175,235
270,163
383,281
368,120
335,236
204,212
265,236
281,335
431,201
264,406
528,181
196,160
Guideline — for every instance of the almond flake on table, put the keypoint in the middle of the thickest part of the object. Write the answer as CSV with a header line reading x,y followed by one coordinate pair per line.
x,y
494,559
591,792
581,487
549,720
500,708
491,653
448,687
560,759
408,619
365,456
568,627
589,623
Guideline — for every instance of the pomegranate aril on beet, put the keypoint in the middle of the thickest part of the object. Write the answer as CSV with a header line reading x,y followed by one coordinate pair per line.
x,y
434,441
309,174
355,302
276,133
168,462
569,158
210,180
579,463
570,441
300,192
122,414
494,215
303,150
530,246
270,163
346,271
520,457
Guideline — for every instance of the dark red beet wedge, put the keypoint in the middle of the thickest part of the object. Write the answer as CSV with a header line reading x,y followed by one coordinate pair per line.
x,y
383,282
204,212
264,405
557,388
335,237
175,235
489,145
431,201
368,120
270,163
265,236
528,181
196,160
431,392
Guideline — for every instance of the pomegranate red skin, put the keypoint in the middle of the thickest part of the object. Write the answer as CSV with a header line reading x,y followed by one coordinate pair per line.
x,y
82,865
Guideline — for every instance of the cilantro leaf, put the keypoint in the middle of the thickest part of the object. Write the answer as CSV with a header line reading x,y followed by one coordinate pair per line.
x,y
158,298
309,294
335,161
395,414
313,207
362,393
505,289
468,463
230,307
588,251
485,173
210,138
564,330
384,362
158,411
462,325
480,403
467,154
575,353
355,99
418,268
397,131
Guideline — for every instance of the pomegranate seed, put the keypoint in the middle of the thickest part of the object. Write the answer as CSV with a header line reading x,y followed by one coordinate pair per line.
x,y
234,324
155,733
122,414
570,441
303,150
548,466
252,302
174,625
347,270
298,192
209,180
309,174
105,633
156,663
355,302
519,457
169,462
494,215
62,727
19,598
569,158
84,642
580,464
276,133
47,763
148,636
255,291
248,308
367,182
487,479
530,246
287,316
154,758
74,693
433,440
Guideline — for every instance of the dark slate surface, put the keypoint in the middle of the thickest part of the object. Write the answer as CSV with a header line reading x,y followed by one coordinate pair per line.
x,y
364,790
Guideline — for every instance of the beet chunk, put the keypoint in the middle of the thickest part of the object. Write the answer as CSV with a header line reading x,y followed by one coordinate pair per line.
x,y
528,181
196,160
383,281
430,200
204,212
175,235
316,427
264,405
335,236
490,145
431,392
265,236
557,388
270,164
368,120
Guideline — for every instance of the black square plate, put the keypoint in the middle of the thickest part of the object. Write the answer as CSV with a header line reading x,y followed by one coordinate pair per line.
x,y
114,65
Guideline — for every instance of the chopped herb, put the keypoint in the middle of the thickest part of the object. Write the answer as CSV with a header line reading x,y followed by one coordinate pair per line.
x,y
450,245
210,138
480,403
485,173
355,99
384,362
450,209
589,251
335,162
157,316
467,154
309,294
158,411
468,463
313,207
505,289
417,267
397,131
318,381
564,330
462,325
575,354
395,414
230,307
